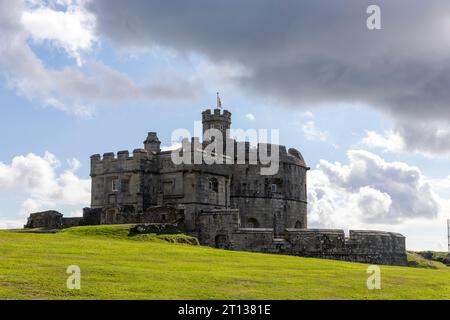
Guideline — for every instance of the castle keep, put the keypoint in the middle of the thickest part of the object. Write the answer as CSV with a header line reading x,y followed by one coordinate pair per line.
x,y
230,206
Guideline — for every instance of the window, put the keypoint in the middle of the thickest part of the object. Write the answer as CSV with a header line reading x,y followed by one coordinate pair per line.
x,y
273,188
252,223
115,185
213,185
168,187
125,185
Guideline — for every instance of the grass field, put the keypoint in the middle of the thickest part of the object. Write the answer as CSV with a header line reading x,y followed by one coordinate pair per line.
x,y
117,266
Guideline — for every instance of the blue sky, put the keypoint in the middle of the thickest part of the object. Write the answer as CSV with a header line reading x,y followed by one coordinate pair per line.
x,y
186,82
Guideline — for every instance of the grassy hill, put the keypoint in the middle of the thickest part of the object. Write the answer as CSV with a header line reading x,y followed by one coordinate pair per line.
x,y
430,260
115,265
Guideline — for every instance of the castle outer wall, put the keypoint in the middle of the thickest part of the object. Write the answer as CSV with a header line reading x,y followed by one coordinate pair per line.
x,y
223,230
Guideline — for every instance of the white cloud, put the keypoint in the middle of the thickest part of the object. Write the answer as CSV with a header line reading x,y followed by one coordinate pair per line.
x,y
73,29
312,133
250,116
373,203
389,141
37,177
371,193
371,189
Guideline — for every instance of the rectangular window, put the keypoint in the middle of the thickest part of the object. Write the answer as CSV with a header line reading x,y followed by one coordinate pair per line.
x,y
168,187
273,188
115,185
125,186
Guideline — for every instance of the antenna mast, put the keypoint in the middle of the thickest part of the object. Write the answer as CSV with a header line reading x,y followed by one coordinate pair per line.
x,y
448,233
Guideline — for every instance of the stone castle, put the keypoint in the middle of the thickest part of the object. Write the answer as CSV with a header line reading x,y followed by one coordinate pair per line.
x,y
228,206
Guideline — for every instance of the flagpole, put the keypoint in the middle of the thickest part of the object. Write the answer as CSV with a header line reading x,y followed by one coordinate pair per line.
x,y
219,103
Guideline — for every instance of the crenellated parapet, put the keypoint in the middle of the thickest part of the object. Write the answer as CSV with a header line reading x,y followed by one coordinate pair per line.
x,y
110,163
216,114
242,152
218,119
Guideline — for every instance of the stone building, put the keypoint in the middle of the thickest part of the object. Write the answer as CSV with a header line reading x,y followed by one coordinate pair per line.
x,y
136,184
230,205
46,219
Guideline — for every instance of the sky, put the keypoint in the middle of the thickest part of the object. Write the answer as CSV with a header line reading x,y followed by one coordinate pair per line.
x,y
368,109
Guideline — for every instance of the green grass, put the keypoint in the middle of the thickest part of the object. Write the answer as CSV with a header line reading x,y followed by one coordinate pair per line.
x,y
117,265
442,257
417,260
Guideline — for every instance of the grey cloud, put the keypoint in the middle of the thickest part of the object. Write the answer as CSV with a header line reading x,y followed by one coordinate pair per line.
x,y
307,52
425,137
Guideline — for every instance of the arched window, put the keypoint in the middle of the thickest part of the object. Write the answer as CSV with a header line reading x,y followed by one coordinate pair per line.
x,y
298,225
252,223
213,185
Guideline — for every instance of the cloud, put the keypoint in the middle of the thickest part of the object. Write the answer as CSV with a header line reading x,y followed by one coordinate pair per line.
x,y
250,116
309,53
312,133
389,141
72,89
369,190
73,30
418,138
37,177
308,114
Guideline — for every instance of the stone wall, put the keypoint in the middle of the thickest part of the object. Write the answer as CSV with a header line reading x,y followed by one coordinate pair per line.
x,y
91,217
46,219
216,226
377,247
71,222
221,229
278,201
133,187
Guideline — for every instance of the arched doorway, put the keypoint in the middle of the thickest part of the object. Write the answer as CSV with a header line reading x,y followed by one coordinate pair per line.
x,y
221,241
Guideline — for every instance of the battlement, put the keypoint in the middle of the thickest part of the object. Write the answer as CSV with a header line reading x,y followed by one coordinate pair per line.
x,y
121,155
111,163
233,149
216,115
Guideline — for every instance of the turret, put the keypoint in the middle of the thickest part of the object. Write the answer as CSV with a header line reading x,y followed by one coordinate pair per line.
x,y
152,143
218,119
